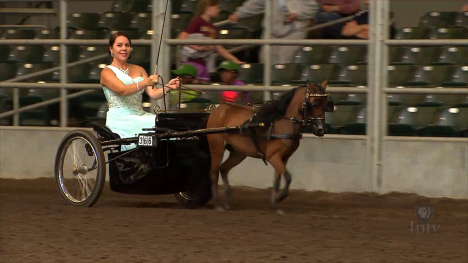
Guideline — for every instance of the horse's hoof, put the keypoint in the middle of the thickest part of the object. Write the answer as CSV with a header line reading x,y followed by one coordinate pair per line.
x,y
279,212
281,196
220,209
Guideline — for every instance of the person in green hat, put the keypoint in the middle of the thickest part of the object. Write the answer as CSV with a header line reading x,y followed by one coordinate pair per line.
x,y
188,75
228,72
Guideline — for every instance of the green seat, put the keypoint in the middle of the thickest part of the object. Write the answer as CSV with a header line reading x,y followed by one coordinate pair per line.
x,y
146,34
395,99
26,54
181,20
34,117
288,73
93,51
6,104
233,33
251,73
412,55
140,55
52,54
188,5
319,73
252,23
83,20
358,127
353,75
399,74
49,33
438,19
131,5
441,100
462,19
4,53
133,33
451,122
115,20
28,68
449,33
413,33
340,117
230,5
348,55
19,34
313,55
457,76
451,55
8,70
141,21
90,104
428,76
409,121
89,34
352,99
89,73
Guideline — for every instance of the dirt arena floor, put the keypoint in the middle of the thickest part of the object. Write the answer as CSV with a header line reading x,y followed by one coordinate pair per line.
x,y
36,225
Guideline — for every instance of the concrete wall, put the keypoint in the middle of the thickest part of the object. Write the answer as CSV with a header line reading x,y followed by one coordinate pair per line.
x,y
331,164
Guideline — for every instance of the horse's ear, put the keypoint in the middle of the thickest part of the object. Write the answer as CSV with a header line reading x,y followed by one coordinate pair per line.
x,y
324,84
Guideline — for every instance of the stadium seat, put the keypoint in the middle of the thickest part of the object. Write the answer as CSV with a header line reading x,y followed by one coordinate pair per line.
x,y
52,54
352,99
348,55
319,73
412,55
89,73
187,5
140,55
430,76
133,33
410,121
93,51
91,103
89,34
131,5
8,70
449,33
342,115
115,20
19,34
28,68
313,55
4,53
251,73
180,20
399,74
34,117
83,20
230,5
358,126
253,23
353,75
49,33
413,33
451,122
462,19
6,104
146,34
457,76
286,73
233,33
26,54
451,55
141,21
438,19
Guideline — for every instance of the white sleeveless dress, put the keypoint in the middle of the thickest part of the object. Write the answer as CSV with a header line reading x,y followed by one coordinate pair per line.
x,y
126,116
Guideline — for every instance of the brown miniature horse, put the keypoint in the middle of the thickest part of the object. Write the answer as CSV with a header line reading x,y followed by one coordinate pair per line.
x,y
284,119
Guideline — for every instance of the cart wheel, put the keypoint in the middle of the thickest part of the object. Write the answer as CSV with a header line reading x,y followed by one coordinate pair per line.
x,y
198,194
80,169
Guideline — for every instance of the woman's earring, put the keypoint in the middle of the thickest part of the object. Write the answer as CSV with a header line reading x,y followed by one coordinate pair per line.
x,y
112,54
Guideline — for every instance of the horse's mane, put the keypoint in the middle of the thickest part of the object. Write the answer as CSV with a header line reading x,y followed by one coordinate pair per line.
x,y
270,111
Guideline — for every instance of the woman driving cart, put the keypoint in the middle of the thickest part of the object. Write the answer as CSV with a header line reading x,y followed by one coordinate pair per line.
x,y
123,84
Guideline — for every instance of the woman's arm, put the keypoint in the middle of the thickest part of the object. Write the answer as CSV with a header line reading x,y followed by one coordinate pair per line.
x,y
111,81
351,28
224,53
155,93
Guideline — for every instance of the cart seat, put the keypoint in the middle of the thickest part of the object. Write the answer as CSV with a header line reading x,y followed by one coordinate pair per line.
x,y
103,131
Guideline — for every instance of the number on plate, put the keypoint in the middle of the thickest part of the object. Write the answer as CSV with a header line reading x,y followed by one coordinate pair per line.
x,y
145,140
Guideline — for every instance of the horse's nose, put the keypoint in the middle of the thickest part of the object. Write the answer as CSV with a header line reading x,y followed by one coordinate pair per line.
x,y
319,130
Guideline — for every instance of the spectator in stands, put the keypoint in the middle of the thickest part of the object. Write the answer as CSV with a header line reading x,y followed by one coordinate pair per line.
x,y
228,72
359,27
201,24
333,10
124,85
188,75
288,22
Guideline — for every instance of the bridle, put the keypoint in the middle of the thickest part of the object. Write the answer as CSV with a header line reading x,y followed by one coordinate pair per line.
x,y
309,106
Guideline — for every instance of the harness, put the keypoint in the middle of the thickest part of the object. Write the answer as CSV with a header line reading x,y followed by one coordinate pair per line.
x,y
249,126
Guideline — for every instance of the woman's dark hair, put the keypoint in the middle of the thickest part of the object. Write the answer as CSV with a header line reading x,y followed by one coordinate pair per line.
x,y
114,37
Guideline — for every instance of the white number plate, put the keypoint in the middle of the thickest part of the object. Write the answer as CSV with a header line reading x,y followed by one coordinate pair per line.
x,y
145,140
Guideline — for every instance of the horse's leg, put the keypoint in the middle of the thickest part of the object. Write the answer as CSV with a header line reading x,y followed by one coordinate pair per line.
x,y
287,176
233,160
216,142
276,161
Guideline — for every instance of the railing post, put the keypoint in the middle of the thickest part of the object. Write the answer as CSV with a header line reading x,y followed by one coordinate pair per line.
x,y
267,50
155,41
16,105
374,97
63,65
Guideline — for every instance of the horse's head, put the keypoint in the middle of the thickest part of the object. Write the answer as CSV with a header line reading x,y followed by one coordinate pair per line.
x,y
315,105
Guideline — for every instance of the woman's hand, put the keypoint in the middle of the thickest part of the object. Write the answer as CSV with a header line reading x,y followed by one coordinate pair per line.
x,y
173,83
151,80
